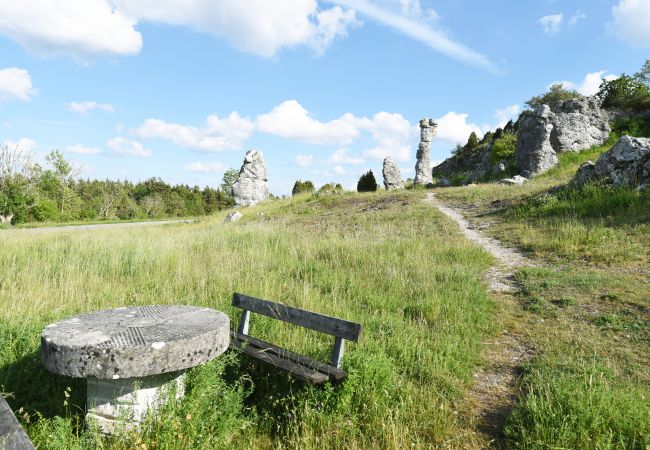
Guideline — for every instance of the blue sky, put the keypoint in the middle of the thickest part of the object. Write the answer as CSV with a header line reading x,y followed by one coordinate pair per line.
x,y
181,89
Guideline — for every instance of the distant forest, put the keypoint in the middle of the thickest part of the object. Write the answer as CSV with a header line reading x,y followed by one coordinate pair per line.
x,y
31,193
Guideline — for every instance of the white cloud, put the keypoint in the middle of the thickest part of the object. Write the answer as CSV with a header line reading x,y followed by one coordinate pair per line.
x,y
419,30
203,167
631,19
82,150
25,144
215,135
341,156
303,160
590,84
453,127
578,16
508,113
125,147
551,24
15,84
68,27
87,106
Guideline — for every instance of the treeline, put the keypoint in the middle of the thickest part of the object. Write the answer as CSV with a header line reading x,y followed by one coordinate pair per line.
x,y
31,193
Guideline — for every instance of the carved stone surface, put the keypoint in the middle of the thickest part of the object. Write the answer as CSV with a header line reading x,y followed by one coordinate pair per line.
x,y
423,163
392,175
252,185
134,341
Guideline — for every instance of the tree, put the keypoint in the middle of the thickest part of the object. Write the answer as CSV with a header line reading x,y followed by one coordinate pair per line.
x,y
472,142
625,92
17,182
230,176
555,94
367,182
643,75
510,128
503,148
331,188
302,187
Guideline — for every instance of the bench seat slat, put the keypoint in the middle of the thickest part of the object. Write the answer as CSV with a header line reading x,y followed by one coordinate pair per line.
x,y
299,371
333,373
319,322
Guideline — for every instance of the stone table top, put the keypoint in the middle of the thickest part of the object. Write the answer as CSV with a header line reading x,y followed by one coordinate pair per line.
x,y
132,342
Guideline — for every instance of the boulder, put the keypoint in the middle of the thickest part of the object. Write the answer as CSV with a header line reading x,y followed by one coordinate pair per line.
x,y
392,175
626,164
233,216
534,153
423,164
251,187
500,167
517,180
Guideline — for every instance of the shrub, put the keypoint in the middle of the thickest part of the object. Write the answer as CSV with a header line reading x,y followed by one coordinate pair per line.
x,y
632,126
503,148
331,188
626,93
303,187
367,182
556,94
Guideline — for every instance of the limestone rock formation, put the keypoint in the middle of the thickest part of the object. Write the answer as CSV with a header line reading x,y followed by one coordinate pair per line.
x,y
233,216
572,125
626,164
423,164
534,153
251,187
517,180
392,175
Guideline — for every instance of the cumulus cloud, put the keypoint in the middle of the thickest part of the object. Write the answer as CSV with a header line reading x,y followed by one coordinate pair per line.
x,y
577,17
204,167
301,160
342,156
15,84
409,21
125,147
453,127
25,144
508,113
590,84
630,19
80,30
87,106
82,150
68,27
215,135
551,24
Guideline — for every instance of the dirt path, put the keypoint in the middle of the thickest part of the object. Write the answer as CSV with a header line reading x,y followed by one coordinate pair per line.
x,y
496,390
99,226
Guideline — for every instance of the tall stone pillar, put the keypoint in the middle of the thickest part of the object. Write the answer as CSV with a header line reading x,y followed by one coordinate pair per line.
x,y
423,164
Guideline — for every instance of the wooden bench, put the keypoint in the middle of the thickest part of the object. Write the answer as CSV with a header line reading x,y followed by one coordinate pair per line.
x,y
299,366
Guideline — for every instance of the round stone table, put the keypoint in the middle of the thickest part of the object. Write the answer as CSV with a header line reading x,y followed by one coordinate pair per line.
x,y
133,356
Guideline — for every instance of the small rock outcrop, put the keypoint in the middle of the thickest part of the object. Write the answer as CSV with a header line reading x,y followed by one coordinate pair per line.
x,y
392,175
626,164
517,180
423,164
251,187
233,216
570,126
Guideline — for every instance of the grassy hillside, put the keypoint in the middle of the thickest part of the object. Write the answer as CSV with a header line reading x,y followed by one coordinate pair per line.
x,y
388,261
587,308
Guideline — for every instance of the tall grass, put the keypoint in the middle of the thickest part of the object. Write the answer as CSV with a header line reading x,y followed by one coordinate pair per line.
x,y
388,261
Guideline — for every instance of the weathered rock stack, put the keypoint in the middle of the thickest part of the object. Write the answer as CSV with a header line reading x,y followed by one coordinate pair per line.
x,y
423,164
571,126
251,187
626,164
392,175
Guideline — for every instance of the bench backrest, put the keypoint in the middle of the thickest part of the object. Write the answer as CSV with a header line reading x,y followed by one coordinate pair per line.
x,y
339,328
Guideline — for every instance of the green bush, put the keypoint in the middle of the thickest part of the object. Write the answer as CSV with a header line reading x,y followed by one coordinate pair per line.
x,y
556,94
632,126
626,92
303,187
331,188
503,148
367,182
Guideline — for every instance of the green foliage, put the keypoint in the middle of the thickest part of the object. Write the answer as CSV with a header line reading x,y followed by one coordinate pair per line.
x,y
625,92
472,141
367,182
555,94
632,126
303,187
331,188
503,148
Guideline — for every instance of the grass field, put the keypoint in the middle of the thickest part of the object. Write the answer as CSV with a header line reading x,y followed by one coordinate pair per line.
x,y
587,309
388,261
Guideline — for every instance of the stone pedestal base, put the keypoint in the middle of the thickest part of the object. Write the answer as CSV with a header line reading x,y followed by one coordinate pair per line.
x,y
125,402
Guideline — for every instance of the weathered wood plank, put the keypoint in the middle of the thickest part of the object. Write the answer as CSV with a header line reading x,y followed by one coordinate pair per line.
x,y
333,373
12,435
314,321
297,370
337,352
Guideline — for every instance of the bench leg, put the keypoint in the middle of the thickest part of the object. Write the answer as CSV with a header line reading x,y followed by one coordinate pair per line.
x,y
337,353
243,323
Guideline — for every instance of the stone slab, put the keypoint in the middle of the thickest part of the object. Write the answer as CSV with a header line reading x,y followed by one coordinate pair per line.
x,y
132,342
12,435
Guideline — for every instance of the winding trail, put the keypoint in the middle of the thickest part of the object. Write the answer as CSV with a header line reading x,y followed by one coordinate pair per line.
x,y
95,226
496,387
